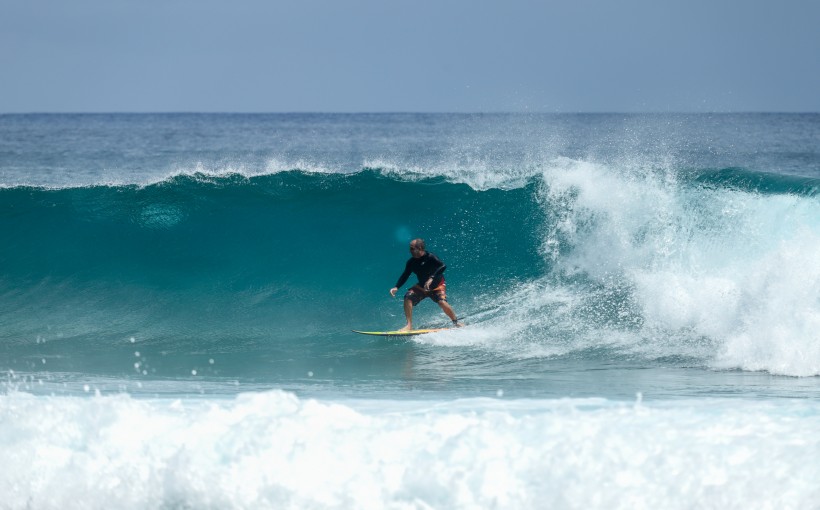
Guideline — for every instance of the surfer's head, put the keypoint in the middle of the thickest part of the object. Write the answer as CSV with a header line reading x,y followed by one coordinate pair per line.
x,y
417,247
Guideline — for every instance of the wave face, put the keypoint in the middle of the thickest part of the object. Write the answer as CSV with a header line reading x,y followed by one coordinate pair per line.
x,y
238,265
571,259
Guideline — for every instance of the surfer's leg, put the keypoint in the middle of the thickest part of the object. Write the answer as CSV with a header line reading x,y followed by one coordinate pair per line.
x,y
448,310
414,295
408,312
439,295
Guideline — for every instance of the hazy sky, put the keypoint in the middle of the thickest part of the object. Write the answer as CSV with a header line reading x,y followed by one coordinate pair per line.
x,y
401,55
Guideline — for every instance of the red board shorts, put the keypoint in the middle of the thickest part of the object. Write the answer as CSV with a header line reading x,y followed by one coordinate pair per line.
x,y
416,293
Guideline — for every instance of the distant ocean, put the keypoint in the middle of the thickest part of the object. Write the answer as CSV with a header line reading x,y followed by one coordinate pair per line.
x,y
641,295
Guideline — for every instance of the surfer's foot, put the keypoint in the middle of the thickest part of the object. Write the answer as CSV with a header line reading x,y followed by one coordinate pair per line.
x,y
457,324
407,328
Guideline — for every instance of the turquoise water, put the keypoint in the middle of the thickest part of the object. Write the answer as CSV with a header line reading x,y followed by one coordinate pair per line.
x,y
642,296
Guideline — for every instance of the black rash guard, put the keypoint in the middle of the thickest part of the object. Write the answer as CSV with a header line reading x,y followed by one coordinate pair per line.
x,y
426,266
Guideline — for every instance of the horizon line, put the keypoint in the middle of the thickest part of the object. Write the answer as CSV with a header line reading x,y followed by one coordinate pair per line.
x,y
407,112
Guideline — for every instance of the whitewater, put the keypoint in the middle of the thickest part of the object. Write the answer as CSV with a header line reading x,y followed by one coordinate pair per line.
x,y
641,294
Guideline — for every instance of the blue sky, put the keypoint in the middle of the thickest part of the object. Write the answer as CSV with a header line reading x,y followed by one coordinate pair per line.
x,y
391,55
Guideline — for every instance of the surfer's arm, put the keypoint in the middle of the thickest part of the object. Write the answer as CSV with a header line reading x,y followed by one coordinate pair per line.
x,y
404,276
437,273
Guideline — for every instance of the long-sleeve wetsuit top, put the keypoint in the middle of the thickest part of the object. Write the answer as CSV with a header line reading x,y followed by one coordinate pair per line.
x,y
426,266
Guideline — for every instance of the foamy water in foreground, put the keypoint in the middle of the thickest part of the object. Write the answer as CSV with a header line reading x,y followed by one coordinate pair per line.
x,y
275,450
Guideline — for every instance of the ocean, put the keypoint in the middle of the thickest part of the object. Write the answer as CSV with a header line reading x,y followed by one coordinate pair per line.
x,y
641,295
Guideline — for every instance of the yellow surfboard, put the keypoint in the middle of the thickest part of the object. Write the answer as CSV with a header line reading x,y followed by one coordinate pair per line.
x,y
411,332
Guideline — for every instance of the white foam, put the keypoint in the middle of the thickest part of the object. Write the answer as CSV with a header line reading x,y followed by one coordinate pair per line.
x,y
274,450
478,174
779,328
736,267
222,169
514,326
197,170
279,165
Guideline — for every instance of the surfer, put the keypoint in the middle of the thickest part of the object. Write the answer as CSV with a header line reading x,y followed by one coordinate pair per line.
x,y
430,271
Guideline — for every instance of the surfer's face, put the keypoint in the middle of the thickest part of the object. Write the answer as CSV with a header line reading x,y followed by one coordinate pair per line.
x,y
415,251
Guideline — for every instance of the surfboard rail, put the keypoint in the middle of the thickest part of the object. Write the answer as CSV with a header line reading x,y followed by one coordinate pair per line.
x,y
412,332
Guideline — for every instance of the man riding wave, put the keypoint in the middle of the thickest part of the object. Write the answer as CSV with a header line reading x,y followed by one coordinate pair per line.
x,y
429,270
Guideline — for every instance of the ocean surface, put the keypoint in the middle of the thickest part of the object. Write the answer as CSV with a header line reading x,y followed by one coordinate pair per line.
x,y
641,295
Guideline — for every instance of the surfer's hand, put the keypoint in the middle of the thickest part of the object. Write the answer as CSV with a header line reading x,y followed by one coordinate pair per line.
x,y
427,284
393,291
